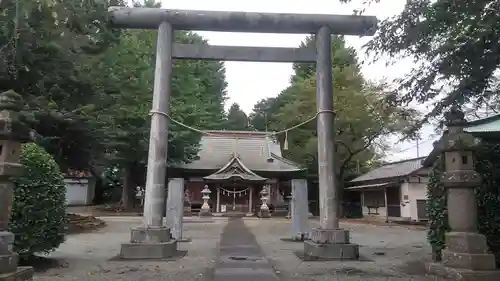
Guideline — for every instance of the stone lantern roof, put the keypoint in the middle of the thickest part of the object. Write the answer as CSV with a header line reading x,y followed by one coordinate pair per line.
x,y
485,128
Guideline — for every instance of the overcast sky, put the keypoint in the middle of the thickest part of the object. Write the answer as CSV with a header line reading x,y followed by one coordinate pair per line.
x,y
250,82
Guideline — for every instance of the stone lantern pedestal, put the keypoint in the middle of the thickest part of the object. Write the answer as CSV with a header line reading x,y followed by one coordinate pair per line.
x,y
187,204
289,201
264,208
466,256
205,208
12,134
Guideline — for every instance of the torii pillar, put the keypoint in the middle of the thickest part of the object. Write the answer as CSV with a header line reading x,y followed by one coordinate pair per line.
x,y
152,239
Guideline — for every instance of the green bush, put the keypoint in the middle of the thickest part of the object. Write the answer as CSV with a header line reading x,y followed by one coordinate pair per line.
x,y
487,195
39,207
436,210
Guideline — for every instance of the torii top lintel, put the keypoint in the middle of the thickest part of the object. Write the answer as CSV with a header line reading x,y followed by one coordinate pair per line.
x,y
150,18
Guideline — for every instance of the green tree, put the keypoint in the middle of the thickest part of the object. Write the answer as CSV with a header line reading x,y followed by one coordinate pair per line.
x,y
237,119
125,93
42,45
89,87
455,47
364,115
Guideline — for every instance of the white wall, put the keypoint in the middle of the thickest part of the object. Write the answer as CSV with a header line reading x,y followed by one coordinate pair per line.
x,y
79,191
405,203
415,189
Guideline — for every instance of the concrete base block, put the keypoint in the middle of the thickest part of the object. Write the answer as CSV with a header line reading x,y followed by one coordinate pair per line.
x,y
8,263
6,242
149,243
184,239
439,272
466,242
331,251
149,250
468,261
330,236
150,235
23,273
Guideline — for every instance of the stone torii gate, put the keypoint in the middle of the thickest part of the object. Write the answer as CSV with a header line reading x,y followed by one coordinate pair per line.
x,y
152,239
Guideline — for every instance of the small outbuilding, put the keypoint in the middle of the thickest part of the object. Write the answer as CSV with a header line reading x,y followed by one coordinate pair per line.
x,y
394,191
80,188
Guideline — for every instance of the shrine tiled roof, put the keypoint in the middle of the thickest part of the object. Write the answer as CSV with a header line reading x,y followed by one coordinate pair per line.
x,y
256,150
235,170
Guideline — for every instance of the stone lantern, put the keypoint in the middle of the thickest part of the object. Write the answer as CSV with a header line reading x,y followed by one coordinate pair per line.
x,y
13,132
187,204
205,208
289,201
466,254
264,208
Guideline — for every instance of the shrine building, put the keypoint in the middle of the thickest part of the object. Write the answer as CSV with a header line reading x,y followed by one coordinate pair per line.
x,y
236,166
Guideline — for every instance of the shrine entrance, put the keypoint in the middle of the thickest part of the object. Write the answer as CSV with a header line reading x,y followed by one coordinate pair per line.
x,y
234,198
235,184
166,22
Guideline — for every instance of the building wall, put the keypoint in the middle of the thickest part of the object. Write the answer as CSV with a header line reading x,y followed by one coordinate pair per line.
x,y
415,189
194,188
412,190
405,201
79,191
373,204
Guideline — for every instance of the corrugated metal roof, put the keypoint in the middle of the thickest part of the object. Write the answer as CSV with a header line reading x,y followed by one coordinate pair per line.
x,y
395,169
476,128
252,148
492,125
375,185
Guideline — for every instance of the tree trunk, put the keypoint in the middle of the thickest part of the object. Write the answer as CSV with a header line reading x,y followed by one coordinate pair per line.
x,y
128,197
99,185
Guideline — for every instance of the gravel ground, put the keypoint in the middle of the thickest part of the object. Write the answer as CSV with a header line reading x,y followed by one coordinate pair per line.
x,y
390,253
87,256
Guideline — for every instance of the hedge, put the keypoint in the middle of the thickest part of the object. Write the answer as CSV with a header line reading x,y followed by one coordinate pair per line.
x,y
39,207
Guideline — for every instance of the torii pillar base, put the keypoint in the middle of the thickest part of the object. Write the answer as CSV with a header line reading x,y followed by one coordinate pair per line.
x,y
330,244
24,273
149,244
